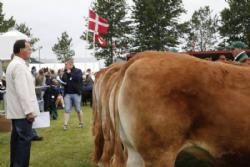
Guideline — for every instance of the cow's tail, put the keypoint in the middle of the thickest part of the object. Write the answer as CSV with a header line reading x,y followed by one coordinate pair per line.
x,y
108,132
97,131
99,142
94,112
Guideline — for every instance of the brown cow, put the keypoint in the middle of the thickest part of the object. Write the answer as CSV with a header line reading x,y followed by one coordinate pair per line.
x,y
161,103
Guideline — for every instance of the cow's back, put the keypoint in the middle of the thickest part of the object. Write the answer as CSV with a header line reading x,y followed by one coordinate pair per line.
x,y
168,100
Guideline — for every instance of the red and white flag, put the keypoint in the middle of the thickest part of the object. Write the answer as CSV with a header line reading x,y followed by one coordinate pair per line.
x,y
100,40
97,24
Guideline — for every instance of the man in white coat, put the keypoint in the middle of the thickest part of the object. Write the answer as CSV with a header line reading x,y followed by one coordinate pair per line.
x,y
22,106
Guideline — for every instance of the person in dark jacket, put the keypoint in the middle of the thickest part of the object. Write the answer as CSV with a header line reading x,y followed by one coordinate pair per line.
x,y
87,90
50,96
238,51
72,78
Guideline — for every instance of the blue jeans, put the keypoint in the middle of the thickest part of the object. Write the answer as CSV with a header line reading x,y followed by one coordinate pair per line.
x,y
21,137
70,100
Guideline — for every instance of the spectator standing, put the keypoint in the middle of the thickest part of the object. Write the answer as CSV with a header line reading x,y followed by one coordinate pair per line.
x,y
237,50
72,78
33,71
50,96
22,106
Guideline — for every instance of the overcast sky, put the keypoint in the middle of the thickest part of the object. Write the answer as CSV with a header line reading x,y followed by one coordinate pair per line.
x,y
49,18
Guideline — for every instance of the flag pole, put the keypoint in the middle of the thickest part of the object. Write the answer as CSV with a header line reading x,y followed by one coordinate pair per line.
x,y
87,35
96,27
94,42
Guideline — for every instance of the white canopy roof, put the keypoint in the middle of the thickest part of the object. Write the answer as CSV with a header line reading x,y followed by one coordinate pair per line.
x,y
7,41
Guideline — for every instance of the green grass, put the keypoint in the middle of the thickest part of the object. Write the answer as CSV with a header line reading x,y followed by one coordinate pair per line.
x,y
71,148
1,105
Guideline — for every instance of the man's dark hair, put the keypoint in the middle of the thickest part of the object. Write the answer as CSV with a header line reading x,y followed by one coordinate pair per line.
x,y
19,44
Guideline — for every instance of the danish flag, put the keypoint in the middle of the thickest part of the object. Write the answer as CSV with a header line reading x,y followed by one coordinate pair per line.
x,y
100,40
97,24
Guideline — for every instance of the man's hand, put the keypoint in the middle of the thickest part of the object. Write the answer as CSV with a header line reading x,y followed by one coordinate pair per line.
x,y
68,71
30,117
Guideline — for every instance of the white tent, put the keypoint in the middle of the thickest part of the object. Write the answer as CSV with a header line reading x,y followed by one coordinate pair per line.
x,y
7,41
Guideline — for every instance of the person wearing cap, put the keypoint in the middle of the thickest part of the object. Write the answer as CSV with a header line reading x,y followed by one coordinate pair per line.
x,y
237,50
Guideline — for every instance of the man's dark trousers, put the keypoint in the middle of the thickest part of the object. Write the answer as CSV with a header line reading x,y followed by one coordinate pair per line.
x,y
21,138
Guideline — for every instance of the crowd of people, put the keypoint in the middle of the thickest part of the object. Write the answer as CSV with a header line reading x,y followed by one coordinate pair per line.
x,y
47,80
50,89
25,100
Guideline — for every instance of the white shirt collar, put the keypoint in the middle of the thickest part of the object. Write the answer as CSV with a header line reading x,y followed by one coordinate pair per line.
x,y
21,60
238,55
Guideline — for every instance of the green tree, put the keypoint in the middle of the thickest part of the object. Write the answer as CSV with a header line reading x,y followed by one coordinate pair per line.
x,y
23,28
203,30
62,48
5,24
235,21
118,40
156,24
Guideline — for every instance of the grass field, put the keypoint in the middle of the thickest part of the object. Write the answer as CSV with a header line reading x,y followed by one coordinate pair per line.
x,y
71,148
1,105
